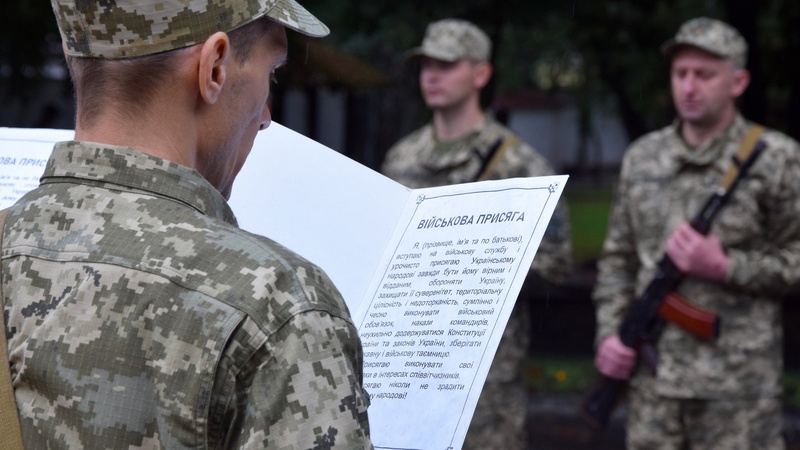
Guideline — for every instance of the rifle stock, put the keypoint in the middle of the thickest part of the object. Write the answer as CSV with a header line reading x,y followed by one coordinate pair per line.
x,y
643,322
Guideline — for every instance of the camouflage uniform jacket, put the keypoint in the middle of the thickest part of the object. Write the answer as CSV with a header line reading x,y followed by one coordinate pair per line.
x,y
662,183
414,162
140,316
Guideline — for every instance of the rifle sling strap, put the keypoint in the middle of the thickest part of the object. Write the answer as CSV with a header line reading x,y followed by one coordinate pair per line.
x,y
748,145
10,432
494,157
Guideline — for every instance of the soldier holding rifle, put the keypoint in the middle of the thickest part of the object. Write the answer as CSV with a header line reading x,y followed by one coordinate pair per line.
x,y
723,392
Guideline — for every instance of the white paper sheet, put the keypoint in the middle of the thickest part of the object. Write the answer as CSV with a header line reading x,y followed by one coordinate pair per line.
x,y
329,209
23,155
436,312
311,199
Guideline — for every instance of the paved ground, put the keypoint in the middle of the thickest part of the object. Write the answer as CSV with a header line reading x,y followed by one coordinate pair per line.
x,y
555,424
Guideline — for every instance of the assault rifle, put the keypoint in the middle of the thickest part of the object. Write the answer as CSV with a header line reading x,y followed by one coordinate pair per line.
x,y
644,321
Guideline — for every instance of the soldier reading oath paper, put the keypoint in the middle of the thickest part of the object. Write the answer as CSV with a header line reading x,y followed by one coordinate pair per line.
x,y
138,314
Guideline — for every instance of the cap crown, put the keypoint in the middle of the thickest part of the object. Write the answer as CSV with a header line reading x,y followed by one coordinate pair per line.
x,y
454,39
118,29
711,35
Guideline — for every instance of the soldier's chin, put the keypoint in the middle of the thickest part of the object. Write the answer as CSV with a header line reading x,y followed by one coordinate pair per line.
x,y
435,102
691,114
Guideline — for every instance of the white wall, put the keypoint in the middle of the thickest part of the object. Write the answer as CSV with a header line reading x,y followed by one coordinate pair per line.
x,y
555,133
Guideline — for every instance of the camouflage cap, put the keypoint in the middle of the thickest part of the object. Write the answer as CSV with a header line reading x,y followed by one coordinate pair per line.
x,y
452,40
119,29
712,36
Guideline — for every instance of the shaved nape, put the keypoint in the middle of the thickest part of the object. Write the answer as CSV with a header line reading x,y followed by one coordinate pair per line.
x,y
131,83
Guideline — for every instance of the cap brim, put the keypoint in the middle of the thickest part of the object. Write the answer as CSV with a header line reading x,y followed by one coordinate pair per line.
x,y
290,14
419,52
671,46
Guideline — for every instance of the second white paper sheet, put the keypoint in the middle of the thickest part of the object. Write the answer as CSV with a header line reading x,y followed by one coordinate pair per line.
x,y
436,311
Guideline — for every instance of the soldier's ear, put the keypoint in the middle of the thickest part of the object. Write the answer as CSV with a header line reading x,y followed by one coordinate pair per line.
x,y
741,79
212,68
482,74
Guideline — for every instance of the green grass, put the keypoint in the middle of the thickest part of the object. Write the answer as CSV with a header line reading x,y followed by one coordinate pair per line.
x,y
588,208
791,388
558,375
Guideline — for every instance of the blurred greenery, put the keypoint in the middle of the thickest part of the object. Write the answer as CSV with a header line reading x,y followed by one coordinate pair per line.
x,y
791,386
593,51
589,207
558,375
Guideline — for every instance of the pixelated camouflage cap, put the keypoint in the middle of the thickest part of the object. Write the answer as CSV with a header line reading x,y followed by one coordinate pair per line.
x,y
452,40
712,36
119,29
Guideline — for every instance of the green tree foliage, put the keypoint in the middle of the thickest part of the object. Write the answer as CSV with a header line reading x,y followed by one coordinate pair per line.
x,y
594,51
591,50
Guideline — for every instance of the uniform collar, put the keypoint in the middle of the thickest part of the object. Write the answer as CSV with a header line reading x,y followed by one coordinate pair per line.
x,y
463,149
132,170
711,151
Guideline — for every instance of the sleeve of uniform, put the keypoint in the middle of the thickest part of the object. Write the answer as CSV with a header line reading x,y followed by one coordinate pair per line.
x,y
617,268
771,266
302,389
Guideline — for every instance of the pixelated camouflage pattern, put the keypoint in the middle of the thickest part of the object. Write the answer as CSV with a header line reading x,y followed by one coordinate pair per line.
x,y
118,29
709,424
140,316
499,419
415,162
663,183
711,35
453,40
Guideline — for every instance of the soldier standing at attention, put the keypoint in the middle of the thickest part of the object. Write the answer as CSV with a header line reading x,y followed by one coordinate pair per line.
x,y
139,315
463,144
724,393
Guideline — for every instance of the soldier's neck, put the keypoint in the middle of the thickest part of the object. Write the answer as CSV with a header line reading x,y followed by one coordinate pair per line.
x,y
454,123
161,135
698,133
